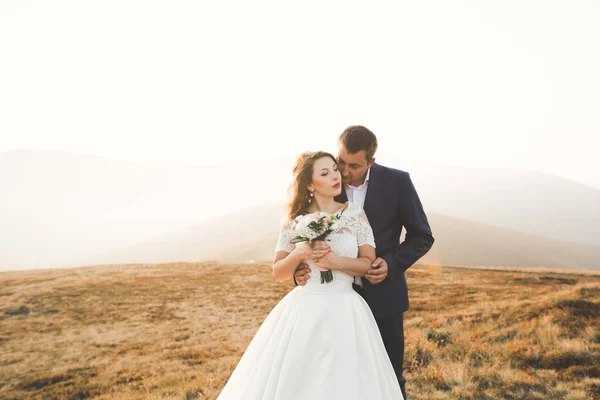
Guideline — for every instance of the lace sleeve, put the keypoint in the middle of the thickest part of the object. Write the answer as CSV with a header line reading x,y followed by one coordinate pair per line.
x,y
364,233
285,238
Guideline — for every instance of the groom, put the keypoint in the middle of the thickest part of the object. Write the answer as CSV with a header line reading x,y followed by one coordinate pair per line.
x,y
390,202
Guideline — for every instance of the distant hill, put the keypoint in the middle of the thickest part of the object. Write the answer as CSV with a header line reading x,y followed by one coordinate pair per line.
x,y
463,242
528,201
59,208
229,237
62,209
252,235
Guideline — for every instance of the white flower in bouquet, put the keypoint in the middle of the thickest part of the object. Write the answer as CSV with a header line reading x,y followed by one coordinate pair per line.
x,y
316,226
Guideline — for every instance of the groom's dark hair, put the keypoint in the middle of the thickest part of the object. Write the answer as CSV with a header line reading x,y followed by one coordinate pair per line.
x,y
356,138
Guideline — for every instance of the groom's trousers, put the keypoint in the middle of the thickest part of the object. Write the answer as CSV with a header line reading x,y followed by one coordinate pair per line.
x,y
392,333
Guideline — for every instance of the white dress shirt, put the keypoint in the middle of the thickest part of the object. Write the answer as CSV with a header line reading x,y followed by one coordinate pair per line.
x,y
358,194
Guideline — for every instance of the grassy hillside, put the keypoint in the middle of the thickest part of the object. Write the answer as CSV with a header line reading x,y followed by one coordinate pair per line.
x,y
176,331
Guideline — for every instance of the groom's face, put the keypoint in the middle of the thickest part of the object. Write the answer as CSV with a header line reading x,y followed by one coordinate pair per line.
x,y
354,166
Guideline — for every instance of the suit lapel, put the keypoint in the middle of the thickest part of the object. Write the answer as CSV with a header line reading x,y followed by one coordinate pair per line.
x,y
373,190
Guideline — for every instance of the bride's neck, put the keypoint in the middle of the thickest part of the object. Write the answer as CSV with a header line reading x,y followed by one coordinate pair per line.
x,y
327,204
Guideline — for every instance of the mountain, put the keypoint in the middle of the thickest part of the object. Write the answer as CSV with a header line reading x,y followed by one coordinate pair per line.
x,y
59,208
226,238
463,242
251,235
528,201
63,209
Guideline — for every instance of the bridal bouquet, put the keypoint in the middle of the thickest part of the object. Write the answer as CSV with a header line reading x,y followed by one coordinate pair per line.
x,y
309,228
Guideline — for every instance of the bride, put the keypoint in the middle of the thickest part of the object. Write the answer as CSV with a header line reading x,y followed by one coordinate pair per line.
x,y
321,340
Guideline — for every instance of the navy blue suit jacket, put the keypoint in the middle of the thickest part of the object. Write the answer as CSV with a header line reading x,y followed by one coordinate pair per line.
x,y
391,204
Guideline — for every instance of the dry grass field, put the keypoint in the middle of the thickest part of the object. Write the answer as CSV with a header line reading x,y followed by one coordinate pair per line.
x,y
176,331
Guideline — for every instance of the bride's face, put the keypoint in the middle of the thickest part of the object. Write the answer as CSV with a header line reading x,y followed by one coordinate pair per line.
x,y
326,178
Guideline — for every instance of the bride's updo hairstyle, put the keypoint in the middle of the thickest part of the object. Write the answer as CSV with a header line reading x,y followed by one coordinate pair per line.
x,y
303,172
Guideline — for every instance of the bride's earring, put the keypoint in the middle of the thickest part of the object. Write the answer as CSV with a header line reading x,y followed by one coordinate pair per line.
x,y
310,198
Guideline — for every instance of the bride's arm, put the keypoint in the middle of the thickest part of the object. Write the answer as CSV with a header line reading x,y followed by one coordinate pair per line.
x,y
284,263
352,266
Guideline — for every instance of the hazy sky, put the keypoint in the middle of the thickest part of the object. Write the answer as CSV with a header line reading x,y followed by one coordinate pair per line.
x,y
474,83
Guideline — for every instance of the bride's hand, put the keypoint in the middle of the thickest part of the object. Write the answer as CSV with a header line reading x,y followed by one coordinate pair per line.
x,y
304,253
318,250
327,261
321,249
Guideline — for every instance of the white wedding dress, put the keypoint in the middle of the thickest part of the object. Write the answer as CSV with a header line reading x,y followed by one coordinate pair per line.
x,y
321,341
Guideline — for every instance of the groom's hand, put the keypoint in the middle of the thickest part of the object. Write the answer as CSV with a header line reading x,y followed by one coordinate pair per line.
x,y
302,274
379,271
